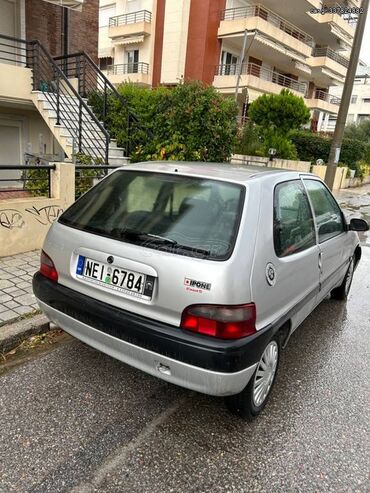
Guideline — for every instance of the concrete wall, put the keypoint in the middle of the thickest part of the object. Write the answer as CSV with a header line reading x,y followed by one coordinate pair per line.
x,y
340,175
15,83
303,166
24,222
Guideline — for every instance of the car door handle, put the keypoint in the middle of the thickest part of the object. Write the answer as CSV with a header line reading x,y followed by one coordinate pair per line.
x,y
320,261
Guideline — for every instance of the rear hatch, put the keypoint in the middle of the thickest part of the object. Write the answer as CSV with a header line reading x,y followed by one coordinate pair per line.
x,y
151,243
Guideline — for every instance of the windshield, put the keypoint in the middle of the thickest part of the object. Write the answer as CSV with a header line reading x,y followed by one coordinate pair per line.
x,y
185,215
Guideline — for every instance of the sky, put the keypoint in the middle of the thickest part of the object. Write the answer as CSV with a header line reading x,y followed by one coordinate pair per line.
x,y
365,48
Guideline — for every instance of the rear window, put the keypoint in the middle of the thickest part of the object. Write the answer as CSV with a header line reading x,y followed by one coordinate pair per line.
x,y
185,215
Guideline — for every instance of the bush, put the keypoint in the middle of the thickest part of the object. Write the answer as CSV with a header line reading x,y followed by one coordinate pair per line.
x,y
311,146
249,141
189,122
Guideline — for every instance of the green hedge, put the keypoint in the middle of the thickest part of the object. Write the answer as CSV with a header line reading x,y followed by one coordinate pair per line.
x,y
188,122
311,147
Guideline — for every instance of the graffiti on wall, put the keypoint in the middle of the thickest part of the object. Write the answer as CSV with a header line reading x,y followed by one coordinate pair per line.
x,y
12,218
45,215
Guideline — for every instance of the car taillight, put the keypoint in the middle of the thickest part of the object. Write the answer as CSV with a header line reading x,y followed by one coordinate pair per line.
x,y
47,267
223,321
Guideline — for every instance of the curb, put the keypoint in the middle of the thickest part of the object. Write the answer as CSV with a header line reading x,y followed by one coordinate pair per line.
x,y
13,334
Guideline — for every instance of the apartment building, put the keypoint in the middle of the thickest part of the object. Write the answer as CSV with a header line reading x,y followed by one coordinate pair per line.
x,y
61,26
359,108
236,45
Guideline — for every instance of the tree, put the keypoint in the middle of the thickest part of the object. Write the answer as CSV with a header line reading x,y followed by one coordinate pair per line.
x,y
281,113
276,116
359,131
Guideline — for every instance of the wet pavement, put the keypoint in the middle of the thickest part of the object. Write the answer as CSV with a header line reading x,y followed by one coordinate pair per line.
x,y
356,203
75,420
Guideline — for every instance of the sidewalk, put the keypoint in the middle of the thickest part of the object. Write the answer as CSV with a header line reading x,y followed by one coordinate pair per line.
x,y
16,297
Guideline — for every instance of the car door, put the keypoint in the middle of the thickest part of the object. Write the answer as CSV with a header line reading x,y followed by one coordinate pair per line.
x,y
331,233
296,247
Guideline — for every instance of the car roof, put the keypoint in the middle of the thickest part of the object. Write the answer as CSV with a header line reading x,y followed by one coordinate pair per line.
x,y
222,171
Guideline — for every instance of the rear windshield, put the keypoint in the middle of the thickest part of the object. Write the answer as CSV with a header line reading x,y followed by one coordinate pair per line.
x,y
184,215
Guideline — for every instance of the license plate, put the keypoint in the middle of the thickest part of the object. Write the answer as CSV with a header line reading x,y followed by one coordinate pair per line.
x,y
115,278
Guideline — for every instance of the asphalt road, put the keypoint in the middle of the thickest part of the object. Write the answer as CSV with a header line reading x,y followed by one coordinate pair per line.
x,y
75,420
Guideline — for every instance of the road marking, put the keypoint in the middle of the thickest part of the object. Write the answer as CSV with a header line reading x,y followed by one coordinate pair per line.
x,y
120,457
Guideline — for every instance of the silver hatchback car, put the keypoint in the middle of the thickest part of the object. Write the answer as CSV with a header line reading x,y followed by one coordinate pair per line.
x,y
198,273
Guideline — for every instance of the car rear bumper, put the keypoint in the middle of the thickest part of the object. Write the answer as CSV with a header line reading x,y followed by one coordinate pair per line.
x,y
209,365
173,371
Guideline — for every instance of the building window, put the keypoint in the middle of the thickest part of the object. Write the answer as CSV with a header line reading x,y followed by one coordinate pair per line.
x,y
105,13
228,62
361,118
104,63
132,61
350,118
366,100
353,99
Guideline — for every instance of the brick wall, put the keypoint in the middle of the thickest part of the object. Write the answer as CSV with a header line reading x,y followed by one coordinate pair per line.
x,y
44,21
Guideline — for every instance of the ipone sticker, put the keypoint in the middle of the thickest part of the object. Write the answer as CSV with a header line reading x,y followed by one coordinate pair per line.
x,y
196,286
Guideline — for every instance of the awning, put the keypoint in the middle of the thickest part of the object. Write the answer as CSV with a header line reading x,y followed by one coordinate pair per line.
x,y
302,67
345,37
279,47
70,4
128,40
105,52
333,75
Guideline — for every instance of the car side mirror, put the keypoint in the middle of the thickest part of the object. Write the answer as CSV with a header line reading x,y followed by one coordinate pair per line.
x,y
358,225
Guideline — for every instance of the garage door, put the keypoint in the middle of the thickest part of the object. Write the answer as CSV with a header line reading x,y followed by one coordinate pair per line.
x,y
10,154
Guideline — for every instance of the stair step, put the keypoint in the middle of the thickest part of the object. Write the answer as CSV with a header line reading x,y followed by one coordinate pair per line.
x,y
41,96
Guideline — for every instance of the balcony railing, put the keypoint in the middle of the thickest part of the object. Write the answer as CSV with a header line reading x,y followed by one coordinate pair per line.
x,y
132,18
328,52
325,96
330,7
262,73
129,68
269,16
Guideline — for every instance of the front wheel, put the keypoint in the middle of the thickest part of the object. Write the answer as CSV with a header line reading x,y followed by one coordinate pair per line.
x,y
251,400
342,291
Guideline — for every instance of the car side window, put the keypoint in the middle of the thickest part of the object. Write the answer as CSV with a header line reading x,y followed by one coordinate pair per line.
x,y
329,219
294,229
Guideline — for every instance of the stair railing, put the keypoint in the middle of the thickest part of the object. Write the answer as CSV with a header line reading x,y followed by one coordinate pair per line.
x,y
71,110
90,79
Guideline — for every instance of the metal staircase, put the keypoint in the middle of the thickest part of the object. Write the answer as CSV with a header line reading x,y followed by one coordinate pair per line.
x,y
90,79
62,101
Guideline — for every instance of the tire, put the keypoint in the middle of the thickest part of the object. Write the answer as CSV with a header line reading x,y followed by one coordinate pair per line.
x,y
341,292
250,402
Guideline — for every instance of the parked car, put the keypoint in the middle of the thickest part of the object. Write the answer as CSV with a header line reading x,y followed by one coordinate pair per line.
x,y
198,273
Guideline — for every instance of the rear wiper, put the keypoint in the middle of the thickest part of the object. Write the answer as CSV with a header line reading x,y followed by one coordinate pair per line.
x,y
140,235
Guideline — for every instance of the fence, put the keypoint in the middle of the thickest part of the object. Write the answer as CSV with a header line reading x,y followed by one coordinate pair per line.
x,y
31,179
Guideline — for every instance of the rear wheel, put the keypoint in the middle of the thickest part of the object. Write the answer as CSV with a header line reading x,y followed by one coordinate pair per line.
x,y
251,401
341,292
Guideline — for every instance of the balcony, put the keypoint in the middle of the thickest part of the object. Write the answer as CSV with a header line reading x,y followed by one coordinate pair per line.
x,y
256,77
341,23
137,73
323,101
135,23
328,65
259,18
